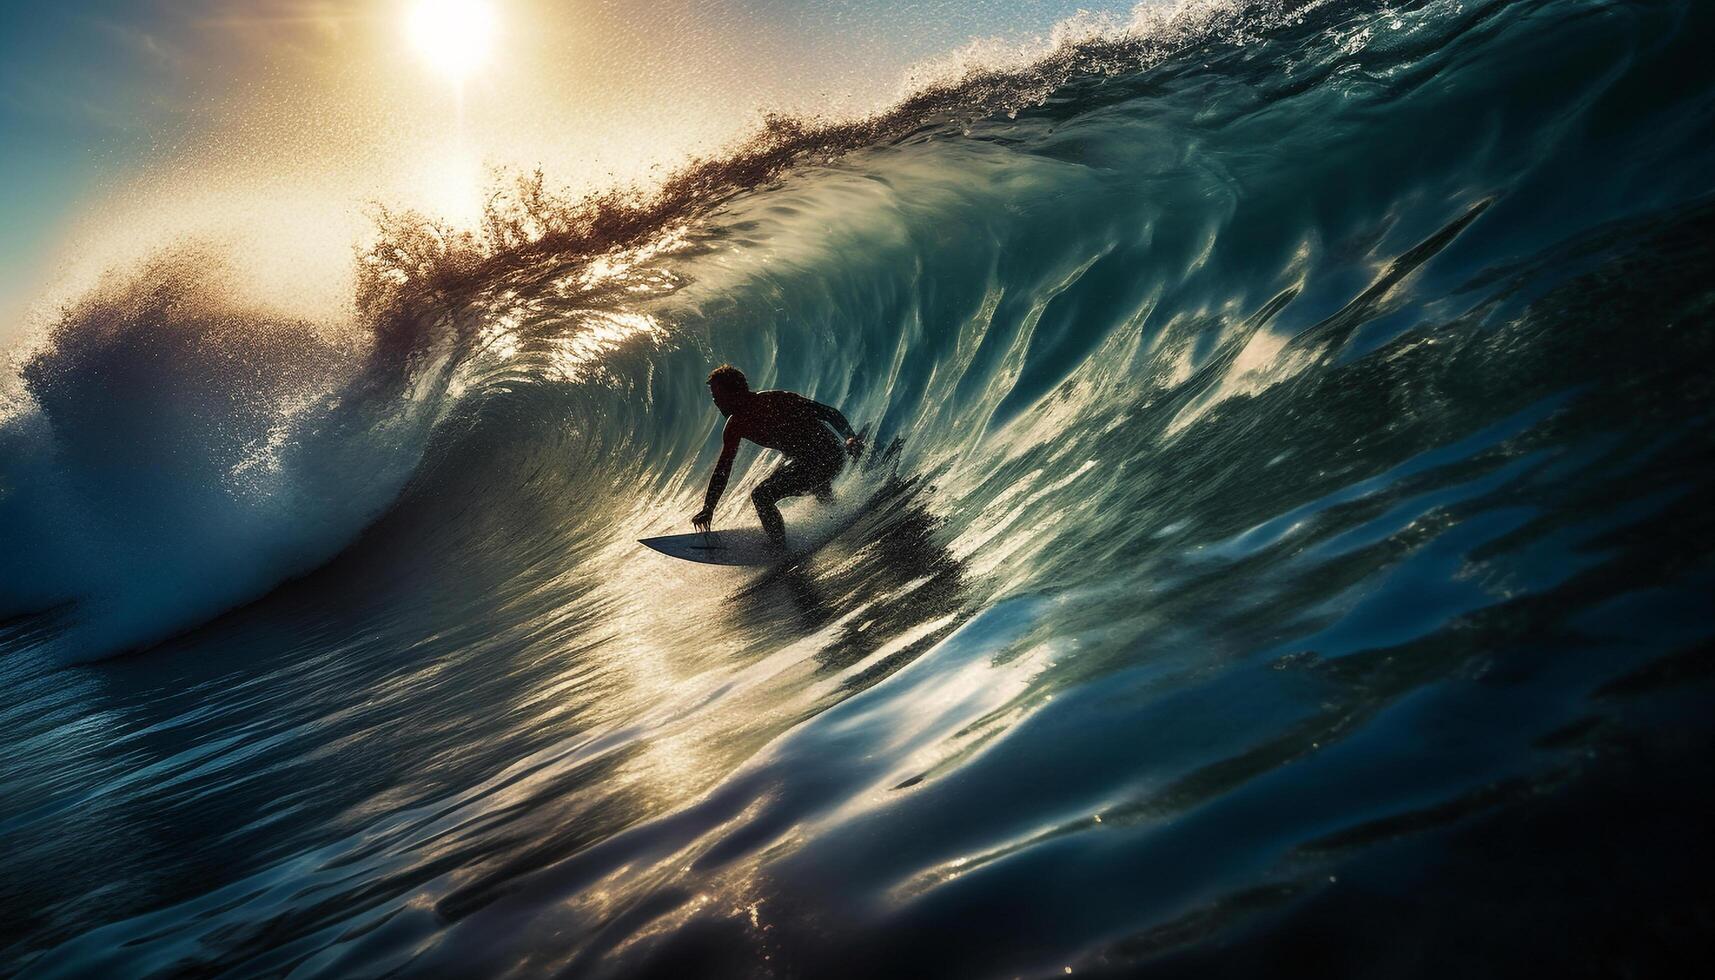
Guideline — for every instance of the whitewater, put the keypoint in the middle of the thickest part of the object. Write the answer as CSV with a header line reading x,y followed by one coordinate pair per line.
x,y
1285,545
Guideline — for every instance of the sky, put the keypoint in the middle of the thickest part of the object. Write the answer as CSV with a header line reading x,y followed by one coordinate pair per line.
x,y
268,127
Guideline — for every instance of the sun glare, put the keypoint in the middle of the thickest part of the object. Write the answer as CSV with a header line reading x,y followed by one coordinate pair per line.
x,y
453,35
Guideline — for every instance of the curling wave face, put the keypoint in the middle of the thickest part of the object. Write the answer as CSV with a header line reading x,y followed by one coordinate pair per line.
x,y
1290,477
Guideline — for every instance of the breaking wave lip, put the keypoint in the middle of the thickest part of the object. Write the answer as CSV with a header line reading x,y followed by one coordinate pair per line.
x,y
414,255
175,453
181,453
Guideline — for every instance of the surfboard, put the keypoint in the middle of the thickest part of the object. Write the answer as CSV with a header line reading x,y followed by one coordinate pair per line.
x,y
805,533
737,546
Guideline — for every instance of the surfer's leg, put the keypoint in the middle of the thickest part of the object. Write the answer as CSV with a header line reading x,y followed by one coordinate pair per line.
x,y
792,480
824,477
769,515
766,496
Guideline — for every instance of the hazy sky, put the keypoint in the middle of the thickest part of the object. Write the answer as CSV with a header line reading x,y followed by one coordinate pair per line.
x,y
268,125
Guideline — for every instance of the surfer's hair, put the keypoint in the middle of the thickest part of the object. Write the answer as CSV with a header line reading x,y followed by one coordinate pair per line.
x,y
728,378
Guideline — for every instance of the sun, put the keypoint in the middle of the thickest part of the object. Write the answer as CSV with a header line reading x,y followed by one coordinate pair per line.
x,y
453,35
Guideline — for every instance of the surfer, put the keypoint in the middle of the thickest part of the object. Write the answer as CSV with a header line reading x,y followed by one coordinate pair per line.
x,y
785,421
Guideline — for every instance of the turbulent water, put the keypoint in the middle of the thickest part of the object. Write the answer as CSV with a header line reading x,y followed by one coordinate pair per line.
x,y
1286,546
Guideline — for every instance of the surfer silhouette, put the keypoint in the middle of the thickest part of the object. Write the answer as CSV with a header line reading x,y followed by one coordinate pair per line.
x,y
784,421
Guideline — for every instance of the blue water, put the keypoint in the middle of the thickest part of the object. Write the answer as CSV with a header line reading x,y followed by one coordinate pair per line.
x,y
1286,549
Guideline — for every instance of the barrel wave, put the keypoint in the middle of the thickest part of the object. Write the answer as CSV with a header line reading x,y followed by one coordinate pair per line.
x,y
1284,544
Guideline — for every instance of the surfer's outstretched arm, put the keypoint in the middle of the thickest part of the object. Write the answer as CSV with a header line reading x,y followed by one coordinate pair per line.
x,y
717,480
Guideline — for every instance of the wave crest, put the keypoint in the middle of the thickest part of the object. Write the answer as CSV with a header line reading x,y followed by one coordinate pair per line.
x,y
176,451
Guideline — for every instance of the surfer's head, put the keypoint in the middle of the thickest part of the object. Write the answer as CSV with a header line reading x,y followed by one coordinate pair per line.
x,y
729,387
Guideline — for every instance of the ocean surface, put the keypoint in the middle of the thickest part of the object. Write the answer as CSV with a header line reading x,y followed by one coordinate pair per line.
x,y
1286,546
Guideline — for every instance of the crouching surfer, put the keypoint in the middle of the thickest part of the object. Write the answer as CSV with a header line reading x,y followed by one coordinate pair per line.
x,y
785,421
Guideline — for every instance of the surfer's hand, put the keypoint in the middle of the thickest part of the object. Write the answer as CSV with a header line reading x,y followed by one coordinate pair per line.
x,y
854,445
703,519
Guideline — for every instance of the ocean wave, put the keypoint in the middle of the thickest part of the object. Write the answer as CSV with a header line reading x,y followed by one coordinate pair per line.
x,y
169,497
1046,209
1266,394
